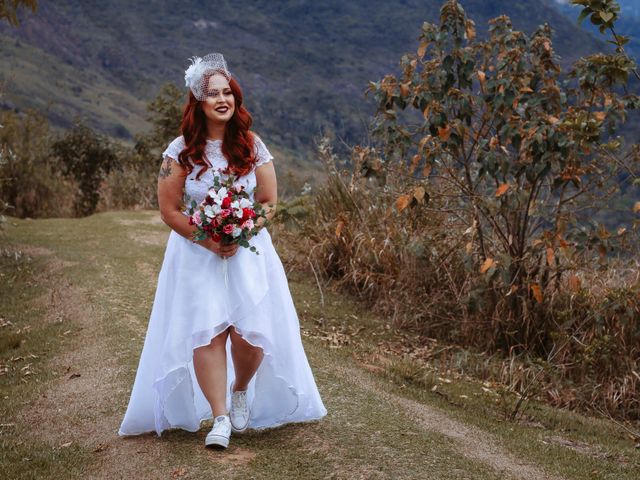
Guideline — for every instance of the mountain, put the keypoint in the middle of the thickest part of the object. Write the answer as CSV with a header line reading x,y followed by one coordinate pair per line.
x,y
304,65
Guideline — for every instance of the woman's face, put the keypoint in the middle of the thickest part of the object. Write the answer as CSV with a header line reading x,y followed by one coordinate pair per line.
x,y
220,104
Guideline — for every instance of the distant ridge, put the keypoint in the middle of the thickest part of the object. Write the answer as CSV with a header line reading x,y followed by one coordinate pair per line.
x,y
304,65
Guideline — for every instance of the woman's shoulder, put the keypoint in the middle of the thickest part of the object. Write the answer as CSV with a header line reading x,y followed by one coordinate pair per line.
x,y
178,142
256,138
174,148
263,153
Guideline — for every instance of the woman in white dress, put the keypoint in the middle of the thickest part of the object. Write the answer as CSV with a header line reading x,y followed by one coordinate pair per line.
x,y
222,348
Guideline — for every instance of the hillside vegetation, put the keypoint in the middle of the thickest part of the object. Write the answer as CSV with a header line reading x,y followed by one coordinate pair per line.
x,y
304,65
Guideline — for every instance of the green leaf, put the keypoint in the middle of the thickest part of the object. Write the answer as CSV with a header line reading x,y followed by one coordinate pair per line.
x,y
583,14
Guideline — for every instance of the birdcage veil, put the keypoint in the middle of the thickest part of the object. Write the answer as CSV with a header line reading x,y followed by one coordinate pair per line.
x,y
196,77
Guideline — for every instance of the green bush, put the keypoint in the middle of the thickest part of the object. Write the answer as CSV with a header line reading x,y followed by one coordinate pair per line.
x,y
32,180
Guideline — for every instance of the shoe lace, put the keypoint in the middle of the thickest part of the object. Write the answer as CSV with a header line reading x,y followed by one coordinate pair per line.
x,y
220,425
239,401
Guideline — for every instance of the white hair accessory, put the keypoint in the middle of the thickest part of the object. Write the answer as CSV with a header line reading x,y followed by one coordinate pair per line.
x,y
195,76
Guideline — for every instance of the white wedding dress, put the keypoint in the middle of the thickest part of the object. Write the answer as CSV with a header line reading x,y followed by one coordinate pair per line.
x,y
192,305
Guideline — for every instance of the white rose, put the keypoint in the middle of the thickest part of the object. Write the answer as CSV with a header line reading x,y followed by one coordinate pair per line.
x,y
209,211
238,212
236,232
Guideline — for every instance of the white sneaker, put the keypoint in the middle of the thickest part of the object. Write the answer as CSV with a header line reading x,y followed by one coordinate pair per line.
x,y
239,414
220,433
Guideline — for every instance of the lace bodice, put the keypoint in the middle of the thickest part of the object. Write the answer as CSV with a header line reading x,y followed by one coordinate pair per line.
x,y
196,189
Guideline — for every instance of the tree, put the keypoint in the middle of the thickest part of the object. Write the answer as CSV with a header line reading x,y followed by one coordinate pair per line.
x,y
165,117
88,157
514,149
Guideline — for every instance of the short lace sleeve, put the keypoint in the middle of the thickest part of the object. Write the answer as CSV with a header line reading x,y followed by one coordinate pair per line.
x,y
174,148
264,156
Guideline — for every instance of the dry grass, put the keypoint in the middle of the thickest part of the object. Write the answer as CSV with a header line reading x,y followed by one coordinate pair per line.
x,y
413,267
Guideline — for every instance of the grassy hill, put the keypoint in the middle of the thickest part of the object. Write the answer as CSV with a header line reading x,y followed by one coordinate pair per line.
x,y
304,65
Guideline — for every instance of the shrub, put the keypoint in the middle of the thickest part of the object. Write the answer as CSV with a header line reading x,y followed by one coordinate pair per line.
x,y
32,181
472,221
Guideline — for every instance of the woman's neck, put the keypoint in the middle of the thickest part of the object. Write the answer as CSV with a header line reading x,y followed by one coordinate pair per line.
x,y
215,131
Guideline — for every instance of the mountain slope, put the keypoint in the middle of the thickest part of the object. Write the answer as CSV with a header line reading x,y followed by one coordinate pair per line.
x,y
304,65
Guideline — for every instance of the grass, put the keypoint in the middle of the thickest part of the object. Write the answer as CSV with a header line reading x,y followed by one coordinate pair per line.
x,y
115,257
26,343
569,444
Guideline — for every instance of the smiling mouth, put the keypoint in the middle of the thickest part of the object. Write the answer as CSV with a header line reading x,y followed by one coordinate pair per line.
x,y
222,109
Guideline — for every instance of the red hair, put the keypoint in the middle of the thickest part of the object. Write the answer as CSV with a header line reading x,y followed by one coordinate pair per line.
x,y
237,144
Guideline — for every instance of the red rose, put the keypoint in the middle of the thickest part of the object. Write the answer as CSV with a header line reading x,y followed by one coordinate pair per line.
x,y
247,213
226,202
225,212
216,237
228,228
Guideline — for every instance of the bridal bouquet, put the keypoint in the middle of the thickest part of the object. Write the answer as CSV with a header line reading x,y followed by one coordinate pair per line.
x,y
226,214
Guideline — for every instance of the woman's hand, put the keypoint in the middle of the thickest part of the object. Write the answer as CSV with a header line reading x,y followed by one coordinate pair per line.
x,y
221,249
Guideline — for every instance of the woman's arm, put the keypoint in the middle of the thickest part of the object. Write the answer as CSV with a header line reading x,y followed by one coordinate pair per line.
x,y
170,194
266,190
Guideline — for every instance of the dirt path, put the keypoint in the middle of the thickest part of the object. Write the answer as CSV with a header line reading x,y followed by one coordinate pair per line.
x,y
369,432
90,376
470,442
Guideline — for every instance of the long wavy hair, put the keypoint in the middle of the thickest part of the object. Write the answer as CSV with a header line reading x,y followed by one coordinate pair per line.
x,y
237,144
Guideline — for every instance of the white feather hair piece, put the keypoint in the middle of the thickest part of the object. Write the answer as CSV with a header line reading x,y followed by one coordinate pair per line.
x,y
194,75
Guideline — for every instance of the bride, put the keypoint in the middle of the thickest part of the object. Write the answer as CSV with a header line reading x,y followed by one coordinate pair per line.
x,y
238,339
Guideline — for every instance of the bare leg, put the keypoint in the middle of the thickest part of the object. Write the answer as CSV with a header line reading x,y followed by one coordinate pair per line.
x,y
246,360
210,365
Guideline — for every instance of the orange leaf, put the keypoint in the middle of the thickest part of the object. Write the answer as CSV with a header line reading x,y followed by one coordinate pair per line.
x,y
414,163
488,263
422,49
419,193
444,132
339,228
482,79
600,116
636,207
502,189
426,170
470,30
553,119
574,283
537,292
404,89
551,258
403,202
